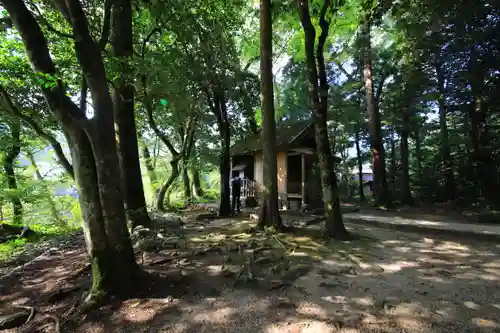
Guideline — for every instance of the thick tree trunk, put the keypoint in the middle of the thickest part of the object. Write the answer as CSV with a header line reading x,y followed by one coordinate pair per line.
x,y
104,273
485,178
381,188
8,165
319,98
418,155
446,163
405,166
360,165
198,190
269,214
128,149
187,185
225,170
93,148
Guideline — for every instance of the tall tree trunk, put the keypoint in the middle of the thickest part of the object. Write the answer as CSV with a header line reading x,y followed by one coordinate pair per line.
x,y
446,163
148,162
114,269
177,156
393,165
474,150
104,271
485,179
53,209
8,165
101,133
216,97
187,184
418,154
225,166
269,214
405,166
121,40
198,190
319,99
174,173
381,188
360,165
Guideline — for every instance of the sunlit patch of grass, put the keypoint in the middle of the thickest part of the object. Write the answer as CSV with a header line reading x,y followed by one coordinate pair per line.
x,y
41,232
8,249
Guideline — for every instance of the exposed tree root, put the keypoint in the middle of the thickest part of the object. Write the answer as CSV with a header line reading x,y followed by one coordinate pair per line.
x,y
57,323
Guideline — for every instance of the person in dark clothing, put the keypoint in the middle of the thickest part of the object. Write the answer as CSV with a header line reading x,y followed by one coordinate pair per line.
x,y
236,192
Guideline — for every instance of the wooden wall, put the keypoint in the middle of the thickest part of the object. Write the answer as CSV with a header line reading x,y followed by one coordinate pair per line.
x,y
282,172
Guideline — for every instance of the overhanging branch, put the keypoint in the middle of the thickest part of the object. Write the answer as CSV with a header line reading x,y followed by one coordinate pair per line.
x,y
14,110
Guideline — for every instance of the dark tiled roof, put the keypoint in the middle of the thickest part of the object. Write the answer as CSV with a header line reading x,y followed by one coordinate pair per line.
x,y
286,133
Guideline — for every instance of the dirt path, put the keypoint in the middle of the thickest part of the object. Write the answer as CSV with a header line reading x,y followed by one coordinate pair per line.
x,y
390,282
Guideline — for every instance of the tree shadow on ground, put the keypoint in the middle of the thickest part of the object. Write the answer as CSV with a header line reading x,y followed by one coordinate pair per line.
x,y
382,280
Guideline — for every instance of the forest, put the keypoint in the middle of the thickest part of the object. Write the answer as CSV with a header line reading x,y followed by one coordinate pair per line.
x,y
117,122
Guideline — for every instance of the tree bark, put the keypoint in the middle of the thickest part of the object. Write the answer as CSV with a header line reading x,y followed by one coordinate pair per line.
x,y
198,190
319,98
187,184
217,103
405,166
128,150
93,147
446,164
101,133
418,155
174,173
225,168
8,164
381,188
104,274
269,214
360,165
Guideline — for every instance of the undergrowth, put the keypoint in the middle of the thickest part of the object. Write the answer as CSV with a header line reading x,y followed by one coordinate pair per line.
x,y
41,232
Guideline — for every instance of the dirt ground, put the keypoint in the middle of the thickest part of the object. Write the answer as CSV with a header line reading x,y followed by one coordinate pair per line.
x,y
225,277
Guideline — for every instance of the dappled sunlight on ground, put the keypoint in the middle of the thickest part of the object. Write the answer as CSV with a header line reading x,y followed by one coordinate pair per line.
x,y
230,278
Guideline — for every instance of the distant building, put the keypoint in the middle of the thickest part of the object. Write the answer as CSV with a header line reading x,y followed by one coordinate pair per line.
x,y
299,181
367,175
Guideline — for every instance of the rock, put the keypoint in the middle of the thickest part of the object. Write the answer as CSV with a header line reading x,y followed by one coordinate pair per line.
x,y
141,232
409,310
168,220
12,318
148,245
